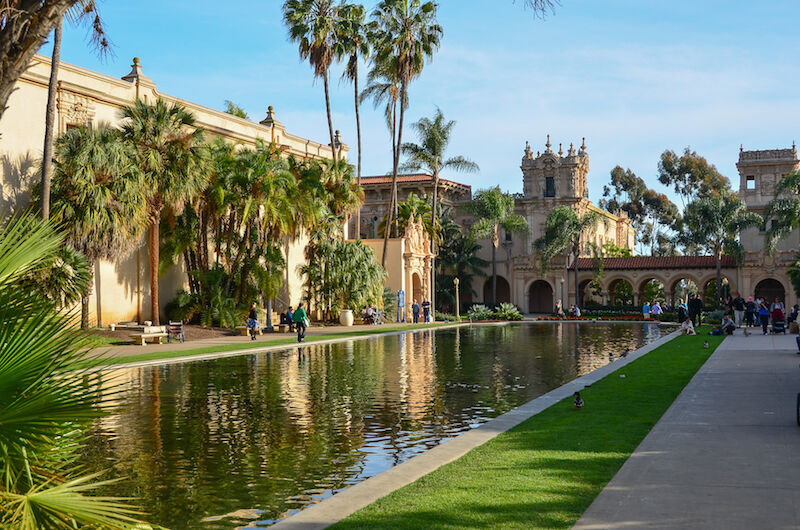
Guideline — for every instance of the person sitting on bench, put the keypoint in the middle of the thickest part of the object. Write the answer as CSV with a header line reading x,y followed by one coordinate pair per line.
x,y
286,318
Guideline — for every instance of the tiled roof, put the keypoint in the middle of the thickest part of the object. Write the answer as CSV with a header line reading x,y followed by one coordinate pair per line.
x,y
411,177
659,262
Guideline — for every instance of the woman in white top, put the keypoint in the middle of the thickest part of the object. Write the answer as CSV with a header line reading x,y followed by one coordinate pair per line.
x,y
687,327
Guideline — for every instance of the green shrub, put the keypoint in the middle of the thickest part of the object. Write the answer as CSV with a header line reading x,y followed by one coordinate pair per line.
x,y
480,312
507,312
446,317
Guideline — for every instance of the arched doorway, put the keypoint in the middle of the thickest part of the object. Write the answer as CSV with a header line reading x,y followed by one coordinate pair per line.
x,y
540,297
585,294
503,291
416,288
651,290
681,289
710,292
770,289
620,293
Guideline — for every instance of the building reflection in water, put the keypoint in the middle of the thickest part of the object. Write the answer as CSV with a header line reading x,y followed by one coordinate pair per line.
x,y
239,441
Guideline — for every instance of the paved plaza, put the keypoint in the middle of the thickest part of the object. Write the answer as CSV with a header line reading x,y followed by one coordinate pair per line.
x,y
725,455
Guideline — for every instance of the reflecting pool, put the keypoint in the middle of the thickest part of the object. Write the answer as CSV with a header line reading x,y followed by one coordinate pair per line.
x,y
240,442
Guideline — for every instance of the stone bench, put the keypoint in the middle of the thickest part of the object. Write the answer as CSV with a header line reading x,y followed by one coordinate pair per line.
x,y
243,331
141,338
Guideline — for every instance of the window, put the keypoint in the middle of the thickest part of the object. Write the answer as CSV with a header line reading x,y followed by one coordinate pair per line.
x,y
549,187
750,182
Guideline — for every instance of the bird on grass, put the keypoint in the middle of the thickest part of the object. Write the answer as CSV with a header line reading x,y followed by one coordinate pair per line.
x,y
705,344
624,354
578,400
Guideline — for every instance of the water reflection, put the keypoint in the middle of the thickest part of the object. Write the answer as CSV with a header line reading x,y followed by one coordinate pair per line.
x,y
242,441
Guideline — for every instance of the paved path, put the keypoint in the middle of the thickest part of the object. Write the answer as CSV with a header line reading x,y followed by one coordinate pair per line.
x,y
725,455
313,331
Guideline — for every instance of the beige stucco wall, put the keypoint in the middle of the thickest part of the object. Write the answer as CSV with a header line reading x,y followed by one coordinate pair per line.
x,y
121,290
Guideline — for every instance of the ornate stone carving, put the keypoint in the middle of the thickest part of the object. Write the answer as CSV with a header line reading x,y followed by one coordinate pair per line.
x,y
417,239
74,109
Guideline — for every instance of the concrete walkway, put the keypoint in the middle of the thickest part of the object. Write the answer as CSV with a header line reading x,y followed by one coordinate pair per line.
x,y
314,331
725,455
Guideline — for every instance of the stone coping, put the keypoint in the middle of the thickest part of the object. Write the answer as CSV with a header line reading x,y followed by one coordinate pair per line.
x,y
353,498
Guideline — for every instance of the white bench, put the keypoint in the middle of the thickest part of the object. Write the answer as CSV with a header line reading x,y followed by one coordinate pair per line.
x,y
141,338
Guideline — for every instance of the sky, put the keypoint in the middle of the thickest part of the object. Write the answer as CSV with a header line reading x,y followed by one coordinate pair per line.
x,y
634,77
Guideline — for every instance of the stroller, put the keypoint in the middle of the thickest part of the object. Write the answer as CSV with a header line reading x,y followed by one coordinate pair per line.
x,y
778,322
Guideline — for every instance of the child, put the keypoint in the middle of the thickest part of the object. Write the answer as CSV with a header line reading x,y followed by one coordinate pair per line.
x,y
252,321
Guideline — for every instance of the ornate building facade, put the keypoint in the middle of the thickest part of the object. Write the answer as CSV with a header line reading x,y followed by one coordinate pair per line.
x,y
87,98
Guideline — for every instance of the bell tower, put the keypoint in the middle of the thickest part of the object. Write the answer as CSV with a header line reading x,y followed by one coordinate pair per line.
x,y
555,175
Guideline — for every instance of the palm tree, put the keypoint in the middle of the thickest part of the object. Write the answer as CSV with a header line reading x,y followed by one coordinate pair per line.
x,y
563,232
494,210
713,224
458,258
406,34
784,210
98,197
429,155
46,401
83,11
170,155
313,24
353,44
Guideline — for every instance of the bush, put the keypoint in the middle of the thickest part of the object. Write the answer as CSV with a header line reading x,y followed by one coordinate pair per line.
x,y
480,312
446,317
713,317
507,312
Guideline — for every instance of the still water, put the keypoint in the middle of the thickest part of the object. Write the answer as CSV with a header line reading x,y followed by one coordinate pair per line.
x,y
240,442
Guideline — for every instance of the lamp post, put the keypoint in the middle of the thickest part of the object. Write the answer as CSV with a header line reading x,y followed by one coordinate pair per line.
x,y
562,292
458,306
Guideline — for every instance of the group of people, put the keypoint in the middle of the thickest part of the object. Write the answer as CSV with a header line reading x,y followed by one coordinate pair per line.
x,y
739,313
426,311
652,311
370,315
574,310
297,320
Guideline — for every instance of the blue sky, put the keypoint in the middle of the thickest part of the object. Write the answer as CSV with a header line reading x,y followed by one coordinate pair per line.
x,y
635,77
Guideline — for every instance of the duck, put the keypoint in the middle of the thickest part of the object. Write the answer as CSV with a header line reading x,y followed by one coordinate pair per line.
x,y
578,400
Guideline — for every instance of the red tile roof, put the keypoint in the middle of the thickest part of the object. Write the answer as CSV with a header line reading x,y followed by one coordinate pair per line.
x,y
411,177
659,262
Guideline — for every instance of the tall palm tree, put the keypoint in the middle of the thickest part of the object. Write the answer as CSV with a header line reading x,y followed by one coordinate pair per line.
x,y
406,34
98,197
784,210
46,401
430,155
313,24
494,210
714,224
170,154
353,44
81,11
563,231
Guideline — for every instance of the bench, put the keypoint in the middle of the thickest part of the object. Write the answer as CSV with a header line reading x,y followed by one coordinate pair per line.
x,y
283,328
141,338
243,331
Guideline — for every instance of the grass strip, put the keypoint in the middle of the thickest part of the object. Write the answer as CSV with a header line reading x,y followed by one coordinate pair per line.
x,y
258,344
546,472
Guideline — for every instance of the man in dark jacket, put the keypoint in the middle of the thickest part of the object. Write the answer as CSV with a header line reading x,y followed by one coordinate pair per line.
x,y
695,308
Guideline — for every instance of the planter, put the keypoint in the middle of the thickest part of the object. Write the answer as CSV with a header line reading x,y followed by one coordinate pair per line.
x,y
346,317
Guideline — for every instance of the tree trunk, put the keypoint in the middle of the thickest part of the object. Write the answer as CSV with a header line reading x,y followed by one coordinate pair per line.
x,y
154,258
358,140
50,121
494,277
268,318
719,280
393,194
24,32
330,120
433,238
85,298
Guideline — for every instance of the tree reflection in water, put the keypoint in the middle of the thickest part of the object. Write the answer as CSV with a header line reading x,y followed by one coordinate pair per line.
x,y
247,439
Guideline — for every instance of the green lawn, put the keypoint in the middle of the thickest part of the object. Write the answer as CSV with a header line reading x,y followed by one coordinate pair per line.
x,y
287,339
545,472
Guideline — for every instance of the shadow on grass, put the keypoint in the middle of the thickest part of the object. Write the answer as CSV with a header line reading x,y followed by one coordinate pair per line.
x,y
545,472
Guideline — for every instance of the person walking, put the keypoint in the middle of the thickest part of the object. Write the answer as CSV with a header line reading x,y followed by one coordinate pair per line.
x,y
655,310
426,311
750,309
301,321
763,315
559,309
646,310
252,321
738,309
415,311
